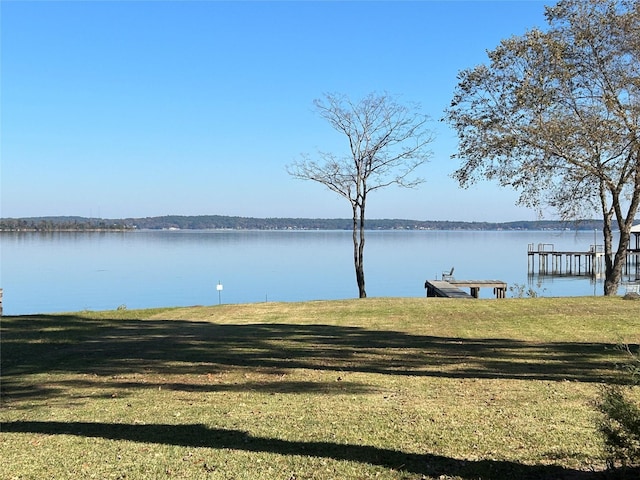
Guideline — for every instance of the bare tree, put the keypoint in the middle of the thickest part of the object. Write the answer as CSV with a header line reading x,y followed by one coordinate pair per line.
x,y
555,115
387,142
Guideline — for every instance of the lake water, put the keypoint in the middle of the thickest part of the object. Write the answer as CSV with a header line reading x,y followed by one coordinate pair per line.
x,y
62,271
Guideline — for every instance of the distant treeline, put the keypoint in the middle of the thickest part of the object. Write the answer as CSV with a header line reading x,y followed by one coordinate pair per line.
x,y
52,224
207,222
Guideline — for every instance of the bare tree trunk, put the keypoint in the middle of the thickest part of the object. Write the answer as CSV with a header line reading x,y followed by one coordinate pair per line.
x,y
613,266
360,279
614,275
610,282
358,248
360,274
615,263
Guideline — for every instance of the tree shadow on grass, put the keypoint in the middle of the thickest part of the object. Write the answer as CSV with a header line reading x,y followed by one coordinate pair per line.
x,y
83,352
76,345
15,389
202,436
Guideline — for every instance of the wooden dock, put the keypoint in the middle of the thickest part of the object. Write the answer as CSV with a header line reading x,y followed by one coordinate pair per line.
x,y
552,262
591,262
566,263
451,288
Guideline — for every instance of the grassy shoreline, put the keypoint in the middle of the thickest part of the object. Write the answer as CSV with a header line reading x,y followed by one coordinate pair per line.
x,y
375,388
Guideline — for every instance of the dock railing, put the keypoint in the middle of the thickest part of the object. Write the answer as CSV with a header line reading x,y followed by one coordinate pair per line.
x,y
542,248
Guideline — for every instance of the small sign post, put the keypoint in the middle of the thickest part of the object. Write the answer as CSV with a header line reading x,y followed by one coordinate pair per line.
x,y
219,289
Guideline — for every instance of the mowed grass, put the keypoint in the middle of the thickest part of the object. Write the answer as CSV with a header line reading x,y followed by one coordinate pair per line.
x,y
378,388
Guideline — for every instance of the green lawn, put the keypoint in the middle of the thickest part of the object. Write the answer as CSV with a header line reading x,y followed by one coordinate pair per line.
x,y
377,388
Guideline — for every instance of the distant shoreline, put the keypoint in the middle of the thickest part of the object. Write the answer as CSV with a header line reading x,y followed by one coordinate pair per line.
x,y
220,222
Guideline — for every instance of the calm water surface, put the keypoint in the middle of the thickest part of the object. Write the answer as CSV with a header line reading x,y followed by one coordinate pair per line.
x,y
103,270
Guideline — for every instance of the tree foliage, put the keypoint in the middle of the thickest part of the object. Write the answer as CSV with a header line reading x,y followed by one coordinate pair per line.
x,y
387,143
555,115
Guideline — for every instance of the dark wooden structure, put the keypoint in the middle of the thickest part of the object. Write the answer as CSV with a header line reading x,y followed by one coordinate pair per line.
x,y
591,262
451,288
551,261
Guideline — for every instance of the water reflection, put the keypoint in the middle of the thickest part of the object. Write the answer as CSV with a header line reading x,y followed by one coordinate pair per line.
x,y
70,271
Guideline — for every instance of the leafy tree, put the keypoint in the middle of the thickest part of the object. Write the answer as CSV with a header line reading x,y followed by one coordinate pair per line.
x,y
555,115
387,142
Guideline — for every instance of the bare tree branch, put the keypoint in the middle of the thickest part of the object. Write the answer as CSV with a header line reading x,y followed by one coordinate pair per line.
x,y
387,143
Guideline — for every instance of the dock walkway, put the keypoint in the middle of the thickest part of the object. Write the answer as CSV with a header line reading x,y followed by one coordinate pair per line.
x,y
450,289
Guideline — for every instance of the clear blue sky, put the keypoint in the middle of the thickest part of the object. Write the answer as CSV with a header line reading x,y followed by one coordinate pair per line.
x,y
129,109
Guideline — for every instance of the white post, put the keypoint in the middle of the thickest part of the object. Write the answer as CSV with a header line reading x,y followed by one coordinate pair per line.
x,y
219,289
